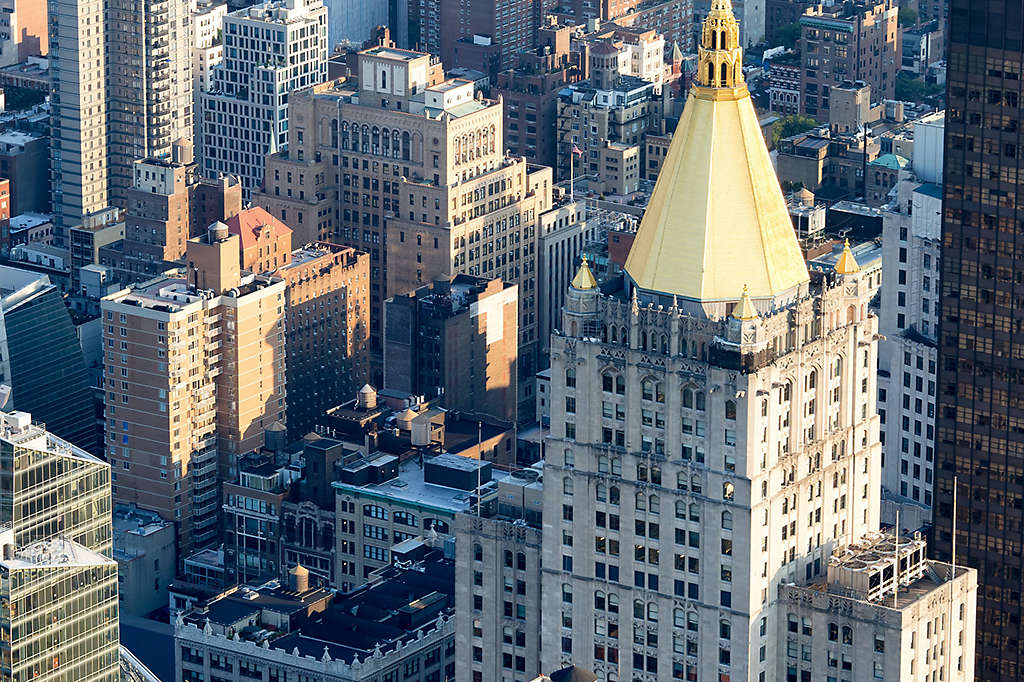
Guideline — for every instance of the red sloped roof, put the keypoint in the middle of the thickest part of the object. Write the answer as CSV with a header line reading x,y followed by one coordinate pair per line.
x,y
248,224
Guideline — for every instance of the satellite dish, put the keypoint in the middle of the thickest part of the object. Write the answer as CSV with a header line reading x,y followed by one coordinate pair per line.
x,y
5,394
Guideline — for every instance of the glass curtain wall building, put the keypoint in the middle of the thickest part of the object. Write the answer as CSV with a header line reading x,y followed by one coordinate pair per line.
x,y
980,421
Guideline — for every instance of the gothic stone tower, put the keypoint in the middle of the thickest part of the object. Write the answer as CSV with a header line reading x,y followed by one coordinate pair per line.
x,y
713,425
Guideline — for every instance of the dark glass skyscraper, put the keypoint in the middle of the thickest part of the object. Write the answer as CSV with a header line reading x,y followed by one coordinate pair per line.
x,y
981,370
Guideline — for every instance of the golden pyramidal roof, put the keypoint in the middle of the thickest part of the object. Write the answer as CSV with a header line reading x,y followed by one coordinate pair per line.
x,y
847,264
584,278
717,217
745,309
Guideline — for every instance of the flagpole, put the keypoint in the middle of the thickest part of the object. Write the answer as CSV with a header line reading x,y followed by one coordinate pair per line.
x,y
572,157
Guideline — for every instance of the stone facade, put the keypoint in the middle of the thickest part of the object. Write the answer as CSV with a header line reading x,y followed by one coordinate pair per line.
x,y
748,450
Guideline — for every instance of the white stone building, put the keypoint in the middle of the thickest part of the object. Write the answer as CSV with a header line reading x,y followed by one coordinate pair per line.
x,y
884,612
207,51
909,321
270,50
498,608
713,426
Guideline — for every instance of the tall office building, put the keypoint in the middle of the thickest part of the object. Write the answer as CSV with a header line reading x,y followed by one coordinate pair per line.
x,y
270,50
122,91
168,204
409,168
58,580
328,311
909,321
979,420
42,360
207,52
22,30
194,373
713,426
857,41
455,339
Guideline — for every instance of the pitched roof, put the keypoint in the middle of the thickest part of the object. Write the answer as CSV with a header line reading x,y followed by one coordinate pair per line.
x,y
847,264
717,218
584,278
248,224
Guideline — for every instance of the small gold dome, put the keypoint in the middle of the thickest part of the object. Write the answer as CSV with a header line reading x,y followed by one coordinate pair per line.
x,y
847,264
584,278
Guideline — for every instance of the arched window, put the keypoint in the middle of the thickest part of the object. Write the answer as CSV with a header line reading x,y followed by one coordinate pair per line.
x,y
654,504
344,135
687,398
406,146
711,74
601,492
334,133
641,501
652,612
375,140
812,380
647,389
613,602
680,509
567,485
567,593
569,458
478,552
726,520
724,629
698,400
620,384
725,74
682,481
659,392
678,618
608,382
616,466
694,511
655,474
570,377
599,601
520,561
508,558
639,609
613,495
602,464
691,622
728,490
833,632
385,138
714,40
695,484
365,140
847,635
383,78
730,410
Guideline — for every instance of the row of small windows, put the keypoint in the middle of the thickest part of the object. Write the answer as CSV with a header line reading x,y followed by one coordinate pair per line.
x,y
652,503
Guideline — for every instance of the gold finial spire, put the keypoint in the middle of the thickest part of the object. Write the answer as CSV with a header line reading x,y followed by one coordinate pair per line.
x,y
584,278
719,56
847,264
745,309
